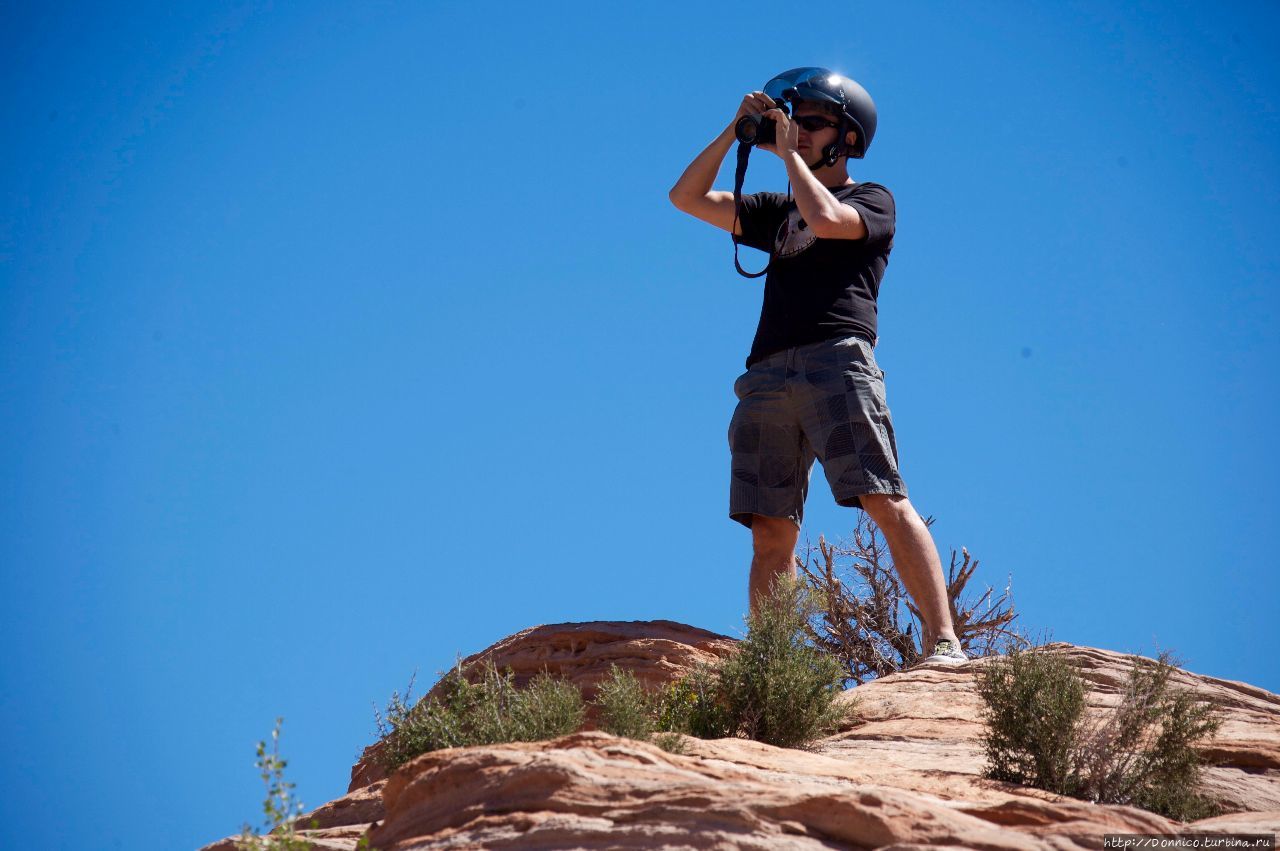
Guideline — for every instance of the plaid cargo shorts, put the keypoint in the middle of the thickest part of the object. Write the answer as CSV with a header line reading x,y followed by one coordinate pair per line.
x,y
823,400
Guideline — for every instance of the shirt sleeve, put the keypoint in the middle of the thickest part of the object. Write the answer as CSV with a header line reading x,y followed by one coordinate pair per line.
x,y
875,206
759,218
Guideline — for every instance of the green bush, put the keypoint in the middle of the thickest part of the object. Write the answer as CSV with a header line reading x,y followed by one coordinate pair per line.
x,y
695,705
777,688
1034,703
1141,754
487,712
626,709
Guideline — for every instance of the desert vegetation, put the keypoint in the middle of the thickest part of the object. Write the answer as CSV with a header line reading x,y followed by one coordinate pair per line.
x,y
775,688
281,807
488,711
1142,753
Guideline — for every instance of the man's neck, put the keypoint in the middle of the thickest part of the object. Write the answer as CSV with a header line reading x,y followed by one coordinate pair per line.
x,y
832,175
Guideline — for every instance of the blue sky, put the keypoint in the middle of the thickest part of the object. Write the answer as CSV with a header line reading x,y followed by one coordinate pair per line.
x,y
336,340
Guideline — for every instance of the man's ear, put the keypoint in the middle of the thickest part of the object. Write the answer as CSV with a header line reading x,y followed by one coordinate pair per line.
x,y
851,138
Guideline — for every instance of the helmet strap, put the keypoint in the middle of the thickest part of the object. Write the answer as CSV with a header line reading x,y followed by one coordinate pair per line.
x,y
832,153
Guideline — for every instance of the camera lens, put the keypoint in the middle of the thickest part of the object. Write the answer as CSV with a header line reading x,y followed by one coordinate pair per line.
x,y
756,130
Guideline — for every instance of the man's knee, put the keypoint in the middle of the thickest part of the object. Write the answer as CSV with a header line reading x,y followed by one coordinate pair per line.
x,y
888,509
774,534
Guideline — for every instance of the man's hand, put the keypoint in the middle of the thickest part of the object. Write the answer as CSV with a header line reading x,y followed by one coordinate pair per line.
x,y
754,103
787,133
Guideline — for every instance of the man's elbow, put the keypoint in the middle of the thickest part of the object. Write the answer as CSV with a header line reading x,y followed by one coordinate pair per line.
x,y
823,228
678,199
842,226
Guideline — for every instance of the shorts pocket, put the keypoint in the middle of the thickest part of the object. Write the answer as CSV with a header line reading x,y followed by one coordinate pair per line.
x,y
862,362
759,379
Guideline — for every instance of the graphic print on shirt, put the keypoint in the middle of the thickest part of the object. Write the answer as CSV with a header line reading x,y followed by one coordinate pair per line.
x,y
794,235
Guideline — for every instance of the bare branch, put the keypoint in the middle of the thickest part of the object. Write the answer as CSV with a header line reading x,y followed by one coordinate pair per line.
x,y
872,624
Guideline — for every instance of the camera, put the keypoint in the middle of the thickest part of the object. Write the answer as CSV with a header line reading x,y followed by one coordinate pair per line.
x,y
756,130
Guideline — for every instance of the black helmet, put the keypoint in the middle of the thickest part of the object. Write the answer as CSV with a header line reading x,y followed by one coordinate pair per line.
x,y
820,84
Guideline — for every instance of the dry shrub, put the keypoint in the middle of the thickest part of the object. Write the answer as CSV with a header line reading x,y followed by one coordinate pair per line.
x,y
867,619
1143,754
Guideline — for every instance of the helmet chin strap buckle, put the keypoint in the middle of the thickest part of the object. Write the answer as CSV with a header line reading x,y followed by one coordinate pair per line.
x,y
831,153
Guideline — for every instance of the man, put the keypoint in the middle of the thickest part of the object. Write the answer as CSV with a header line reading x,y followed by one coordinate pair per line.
x,y
812,387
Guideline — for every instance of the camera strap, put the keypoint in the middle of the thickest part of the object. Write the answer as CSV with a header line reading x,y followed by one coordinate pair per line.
x,y
744,152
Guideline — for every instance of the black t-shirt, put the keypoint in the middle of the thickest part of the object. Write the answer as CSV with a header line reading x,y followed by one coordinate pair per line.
x,y
817,289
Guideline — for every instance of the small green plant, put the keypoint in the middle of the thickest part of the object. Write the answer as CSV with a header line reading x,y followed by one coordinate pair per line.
x,y
1034,702
489,711
626,708
1141,754
777,688
695,705
280,807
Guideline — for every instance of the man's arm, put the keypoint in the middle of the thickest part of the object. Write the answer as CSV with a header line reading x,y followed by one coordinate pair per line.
x,y
826,216
692,193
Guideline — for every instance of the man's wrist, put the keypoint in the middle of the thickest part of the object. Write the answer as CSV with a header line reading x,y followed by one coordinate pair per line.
x,y
792,158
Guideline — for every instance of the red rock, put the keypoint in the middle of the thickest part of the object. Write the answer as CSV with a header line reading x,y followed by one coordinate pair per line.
x,y
905,773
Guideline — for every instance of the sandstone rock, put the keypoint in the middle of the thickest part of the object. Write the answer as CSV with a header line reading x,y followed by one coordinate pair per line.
x,y
905,773
361,807
327,839
657,652
593,790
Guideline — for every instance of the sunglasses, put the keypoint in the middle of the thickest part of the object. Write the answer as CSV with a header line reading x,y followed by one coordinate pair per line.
x,y
813,123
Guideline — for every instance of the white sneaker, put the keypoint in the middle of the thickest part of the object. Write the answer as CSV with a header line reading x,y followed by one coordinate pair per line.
x,y
947,652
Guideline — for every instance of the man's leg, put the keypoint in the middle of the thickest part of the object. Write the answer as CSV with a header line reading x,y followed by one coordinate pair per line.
x,y
774,542
916,559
